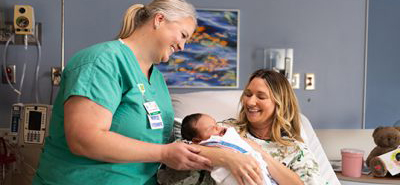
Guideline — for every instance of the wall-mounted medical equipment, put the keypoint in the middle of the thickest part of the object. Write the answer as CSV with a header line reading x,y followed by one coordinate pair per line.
x,y
20,25
16,116
30,123
24,20
280,60
35,122
23,27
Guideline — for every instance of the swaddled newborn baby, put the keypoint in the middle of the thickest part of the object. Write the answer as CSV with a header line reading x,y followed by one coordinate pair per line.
x,y
203,129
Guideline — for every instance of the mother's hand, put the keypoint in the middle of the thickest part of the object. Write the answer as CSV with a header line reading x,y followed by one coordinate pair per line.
x,y
244,168
181,156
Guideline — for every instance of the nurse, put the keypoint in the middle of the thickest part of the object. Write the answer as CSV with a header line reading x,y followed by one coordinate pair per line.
x,y
113,114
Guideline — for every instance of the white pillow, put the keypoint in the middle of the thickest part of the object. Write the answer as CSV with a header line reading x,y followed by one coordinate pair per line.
x,y
220,105
312,141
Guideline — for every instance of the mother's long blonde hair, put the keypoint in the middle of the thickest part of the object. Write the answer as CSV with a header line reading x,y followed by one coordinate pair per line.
x,y
286,116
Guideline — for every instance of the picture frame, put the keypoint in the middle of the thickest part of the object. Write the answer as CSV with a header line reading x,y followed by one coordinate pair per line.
x,y
211,57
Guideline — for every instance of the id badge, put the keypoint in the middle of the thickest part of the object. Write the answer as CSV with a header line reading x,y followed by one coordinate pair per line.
x,y
155,121
151,108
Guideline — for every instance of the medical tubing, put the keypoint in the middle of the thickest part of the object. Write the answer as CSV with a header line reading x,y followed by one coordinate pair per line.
x,y
26,42
23,68
5,64
39,58
22,82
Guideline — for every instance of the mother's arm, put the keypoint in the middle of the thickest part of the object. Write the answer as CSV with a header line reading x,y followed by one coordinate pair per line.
x,y
278,171
87,133
281,173
243,167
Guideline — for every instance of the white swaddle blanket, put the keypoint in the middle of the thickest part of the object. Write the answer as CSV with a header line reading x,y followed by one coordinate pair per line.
x,y
232,140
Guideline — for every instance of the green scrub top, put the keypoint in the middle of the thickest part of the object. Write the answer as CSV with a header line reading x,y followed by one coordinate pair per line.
x,y
108,74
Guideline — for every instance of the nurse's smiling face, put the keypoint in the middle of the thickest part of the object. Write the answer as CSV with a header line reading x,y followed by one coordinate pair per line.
x,y
172,36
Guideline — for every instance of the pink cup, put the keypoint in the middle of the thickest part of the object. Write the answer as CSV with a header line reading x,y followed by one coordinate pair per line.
x,y
352,162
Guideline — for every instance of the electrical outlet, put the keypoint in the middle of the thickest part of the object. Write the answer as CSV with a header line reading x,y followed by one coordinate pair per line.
x,y
296,81
56,75
309,83
9,72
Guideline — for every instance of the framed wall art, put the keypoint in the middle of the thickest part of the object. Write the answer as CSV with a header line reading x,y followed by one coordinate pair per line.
x,y
211,57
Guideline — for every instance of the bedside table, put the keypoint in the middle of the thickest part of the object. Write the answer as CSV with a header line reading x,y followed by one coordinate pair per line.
x,y
367,180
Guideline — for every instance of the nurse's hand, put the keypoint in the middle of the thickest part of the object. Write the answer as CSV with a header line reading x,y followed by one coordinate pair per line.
x,y
181,156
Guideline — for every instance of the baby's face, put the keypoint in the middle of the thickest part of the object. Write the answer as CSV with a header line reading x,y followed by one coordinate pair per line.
x,y
206,127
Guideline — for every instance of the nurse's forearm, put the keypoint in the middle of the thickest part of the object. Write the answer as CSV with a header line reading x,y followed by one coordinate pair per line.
x,y
112,147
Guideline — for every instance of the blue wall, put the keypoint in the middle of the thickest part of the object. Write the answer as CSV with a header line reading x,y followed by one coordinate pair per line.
x,y
327,37
383,92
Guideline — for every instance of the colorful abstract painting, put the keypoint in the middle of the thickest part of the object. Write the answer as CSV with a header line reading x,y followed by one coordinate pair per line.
x,y
210,58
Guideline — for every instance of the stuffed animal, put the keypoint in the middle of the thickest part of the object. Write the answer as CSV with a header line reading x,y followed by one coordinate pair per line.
x,y
386,139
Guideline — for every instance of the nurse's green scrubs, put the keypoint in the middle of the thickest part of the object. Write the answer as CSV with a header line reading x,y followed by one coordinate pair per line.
x,y
108,74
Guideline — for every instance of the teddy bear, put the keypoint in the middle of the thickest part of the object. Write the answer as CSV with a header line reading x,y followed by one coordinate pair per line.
x,y
386,139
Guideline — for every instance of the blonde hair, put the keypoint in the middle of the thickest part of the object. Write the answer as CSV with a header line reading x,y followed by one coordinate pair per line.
x,y
138,14
286,116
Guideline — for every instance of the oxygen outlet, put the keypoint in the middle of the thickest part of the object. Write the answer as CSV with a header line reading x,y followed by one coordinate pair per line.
x,y
10,72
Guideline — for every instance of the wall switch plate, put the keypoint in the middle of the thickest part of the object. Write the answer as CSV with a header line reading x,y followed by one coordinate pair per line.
x,y
296,81
55,75
309,81
11,72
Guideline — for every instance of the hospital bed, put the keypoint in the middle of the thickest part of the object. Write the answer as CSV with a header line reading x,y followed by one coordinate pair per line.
x,y
225,104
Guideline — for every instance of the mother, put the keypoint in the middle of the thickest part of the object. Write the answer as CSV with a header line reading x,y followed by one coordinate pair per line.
x,y
270,117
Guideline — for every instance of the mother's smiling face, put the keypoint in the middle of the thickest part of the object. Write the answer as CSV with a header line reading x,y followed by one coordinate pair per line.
x,y
269,107
258,104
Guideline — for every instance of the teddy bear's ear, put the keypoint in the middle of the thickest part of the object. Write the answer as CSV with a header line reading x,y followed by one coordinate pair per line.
x,y
398,128
376,130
